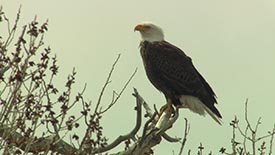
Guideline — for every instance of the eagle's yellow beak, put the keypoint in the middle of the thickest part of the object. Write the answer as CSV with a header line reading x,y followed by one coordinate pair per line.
x,y
139,27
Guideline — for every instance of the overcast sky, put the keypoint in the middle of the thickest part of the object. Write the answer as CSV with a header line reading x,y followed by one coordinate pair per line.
x,y
231,43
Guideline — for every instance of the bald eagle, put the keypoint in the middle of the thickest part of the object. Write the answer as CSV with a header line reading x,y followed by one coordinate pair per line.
x,y
172,72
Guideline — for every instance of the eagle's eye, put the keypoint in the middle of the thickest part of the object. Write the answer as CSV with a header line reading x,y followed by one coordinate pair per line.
x,y
147,26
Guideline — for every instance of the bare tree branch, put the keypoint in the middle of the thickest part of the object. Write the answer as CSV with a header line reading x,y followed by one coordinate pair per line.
x,y
271,141
11,31
149,113
249,136
114,100
152,133
186,131
105,84
38,144
118,140
170,139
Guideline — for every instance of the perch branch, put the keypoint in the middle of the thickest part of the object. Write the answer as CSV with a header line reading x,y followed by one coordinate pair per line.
x,y
152,134
149,113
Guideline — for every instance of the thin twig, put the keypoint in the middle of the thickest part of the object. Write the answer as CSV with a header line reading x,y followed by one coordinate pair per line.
x,y
263,137
186,131
246,116
233,141
105,84
13,30
253,131
245,138
170,139
244,134
120,93
271,141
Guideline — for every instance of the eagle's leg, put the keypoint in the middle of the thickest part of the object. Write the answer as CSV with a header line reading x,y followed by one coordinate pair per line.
x,y
168,106
166,113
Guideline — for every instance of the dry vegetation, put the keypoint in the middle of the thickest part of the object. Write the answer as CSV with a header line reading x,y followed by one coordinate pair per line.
x,y
36,116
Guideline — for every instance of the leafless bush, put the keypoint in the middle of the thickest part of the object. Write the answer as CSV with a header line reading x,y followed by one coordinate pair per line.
x,y
249,138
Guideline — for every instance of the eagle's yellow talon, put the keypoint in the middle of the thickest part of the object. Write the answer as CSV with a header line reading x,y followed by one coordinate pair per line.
x,y
168,106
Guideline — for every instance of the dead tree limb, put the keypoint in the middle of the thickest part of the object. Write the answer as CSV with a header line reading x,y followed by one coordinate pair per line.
x,y
121,138
153,131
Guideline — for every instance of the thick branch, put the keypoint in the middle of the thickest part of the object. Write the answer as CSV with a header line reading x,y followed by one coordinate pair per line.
x,y
150,113
152,133
121,138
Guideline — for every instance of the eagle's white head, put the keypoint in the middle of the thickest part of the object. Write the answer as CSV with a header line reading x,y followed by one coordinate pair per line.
x,y
150,32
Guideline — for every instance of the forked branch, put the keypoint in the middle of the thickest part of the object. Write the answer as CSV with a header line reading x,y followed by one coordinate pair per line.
x,y
121,138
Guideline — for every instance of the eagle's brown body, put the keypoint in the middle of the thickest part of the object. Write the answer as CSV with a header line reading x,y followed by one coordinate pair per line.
x,y
171,71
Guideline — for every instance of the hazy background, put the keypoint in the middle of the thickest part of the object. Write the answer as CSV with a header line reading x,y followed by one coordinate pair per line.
x,y
231,43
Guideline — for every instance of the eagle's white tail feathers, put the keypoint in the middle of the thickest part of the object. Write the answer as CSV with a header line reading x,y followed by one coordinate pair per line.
x,y
195,105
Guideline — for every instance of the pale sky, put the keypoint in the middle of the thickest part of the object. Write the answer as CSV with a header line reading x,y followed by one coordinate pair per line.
x,y
231,44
